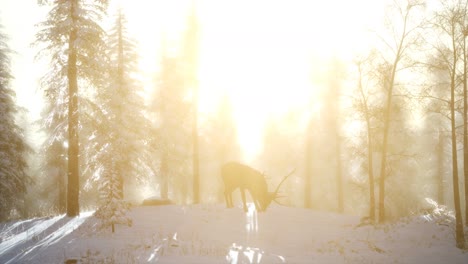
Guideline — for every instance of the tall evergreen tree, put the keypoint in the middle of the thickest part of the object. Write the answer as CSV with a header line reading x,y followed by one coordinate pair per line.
x,y
73,38
172,125
219,142
54,125
13,175
191,66
122,106
121,135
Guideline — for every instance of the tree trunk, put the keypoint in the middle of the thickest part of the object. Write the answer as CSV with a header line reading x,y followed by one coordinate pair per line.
x,y
73,208
440,169
383,163
460,239
339,169
370,172
62,191
120,87
164,179
308,168
465,130
196,160
388,109
192,53
370,160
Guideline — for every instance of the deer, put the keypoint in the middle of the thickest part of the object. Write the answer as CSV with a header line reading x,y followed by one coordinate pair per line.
x,y
236,175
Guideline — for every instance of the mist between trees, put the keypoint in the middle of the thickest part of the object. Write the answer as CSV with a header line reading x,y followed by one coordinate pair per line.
x,y
383,127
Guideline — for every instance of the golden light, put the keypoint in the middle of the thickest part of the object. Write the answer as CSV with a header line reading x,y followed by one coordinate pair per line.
x,y
262,54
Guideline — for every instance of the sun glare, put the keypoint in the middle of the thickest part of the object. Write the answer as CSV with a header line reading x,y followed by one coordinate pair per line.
x,y
262,54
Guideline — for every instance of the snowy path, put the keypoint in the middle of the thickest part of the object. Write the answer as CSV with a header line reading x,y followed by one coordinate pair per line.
x,y
214,234
23,238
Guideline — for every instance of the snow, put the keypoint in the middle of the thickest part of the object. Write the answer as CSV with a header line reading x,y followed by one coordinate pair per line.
x,y
214,234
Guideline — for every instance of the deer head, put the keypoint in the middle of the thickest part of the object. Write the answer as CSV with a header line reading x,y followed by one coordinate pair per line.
x,y
236,175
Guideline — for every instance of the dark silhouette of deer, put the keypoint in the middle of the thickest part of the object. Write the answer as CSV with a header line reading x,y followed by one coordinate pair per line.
x,y
236,175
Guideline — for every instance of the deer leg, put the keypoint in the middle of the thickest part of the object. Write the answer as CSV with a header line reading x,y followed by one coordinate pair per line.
x,y
257,202
228,198
258,205
242,190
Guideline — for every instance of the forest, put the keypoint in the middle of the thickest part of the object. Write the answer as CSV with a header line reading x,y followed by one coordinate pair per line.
x,y
370,110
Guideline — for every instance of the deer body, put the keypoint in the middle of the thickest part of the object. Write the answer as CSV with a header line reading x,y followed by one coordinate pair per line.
x,y
236,175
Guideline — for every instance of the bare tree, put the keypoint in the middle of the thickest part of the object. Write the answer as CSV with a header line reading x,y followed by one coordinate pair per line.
x,y
403,36
447,47
463,21
364,108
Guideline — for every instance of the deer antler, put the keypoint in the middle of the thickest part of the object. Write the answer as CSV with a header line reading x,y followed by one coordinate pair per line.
x,y
279,185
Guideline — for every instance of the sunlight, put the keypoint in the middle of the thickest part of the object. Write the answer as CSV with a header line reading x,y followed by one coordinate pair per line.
x,y
251,219
266,65
261,54
148,22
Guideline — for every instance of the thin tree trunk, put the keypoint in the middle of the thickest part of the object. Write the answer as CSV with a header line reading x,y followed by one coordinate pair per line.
x,y
460,239
62,191
465,129
120,86
308,168
164,179
192,74
370,168
383,163
388,109
456,193
370,173
339,169
440,169
196,159
391,83
73,208
332,98
336,128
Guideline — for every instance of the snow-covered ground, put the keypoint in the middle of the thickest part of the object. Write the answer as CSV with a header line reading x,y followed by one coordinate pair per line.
x,y
214,234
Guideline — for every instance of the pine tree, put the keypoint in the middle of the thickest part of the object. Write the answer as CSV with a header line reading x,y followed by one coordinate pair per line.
x,y
218,139
191,43
122,133
123,107
113,209
54,125
72,37
171,139
13,175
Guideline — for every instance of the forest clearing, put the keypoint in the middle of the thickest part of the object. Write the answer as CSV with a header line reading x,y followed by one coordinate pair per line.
x,y
214,234
345,123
